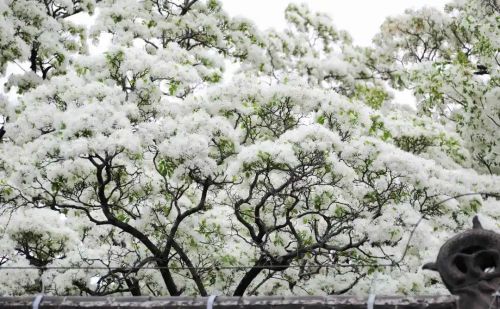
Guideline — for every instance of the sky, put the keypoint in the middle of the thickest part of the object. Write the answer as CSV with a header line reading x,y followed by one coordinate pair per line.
x,y
361,18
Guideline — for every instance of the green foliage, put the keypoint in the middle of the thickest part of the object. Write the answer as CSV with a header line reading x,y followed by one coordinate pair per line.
x,y
213,78
116,18
166,167
414,144
377,128
58,183
172,88
372,96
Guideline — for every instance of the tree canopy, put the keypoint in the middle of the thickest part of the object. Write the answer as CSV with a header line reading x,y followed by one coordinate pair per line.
x,y
151,168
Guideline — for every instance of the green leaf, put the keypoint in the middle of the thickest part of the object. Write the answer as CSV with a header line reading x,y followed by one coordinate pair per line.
x,y
213,78
151,24
172,89
166,168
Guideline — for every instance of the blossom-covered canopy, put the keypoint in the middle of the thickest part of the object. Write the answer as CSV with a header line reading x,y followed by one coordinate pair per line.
x,y
200,155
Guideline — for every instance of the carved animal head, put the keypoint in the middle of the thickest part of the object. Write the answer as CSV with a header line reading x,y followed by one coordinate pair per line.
x,y
469,265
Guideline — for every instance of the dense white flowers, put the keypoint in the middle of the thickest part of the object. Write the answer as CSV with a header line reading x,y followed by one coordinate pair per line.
x,y
145,156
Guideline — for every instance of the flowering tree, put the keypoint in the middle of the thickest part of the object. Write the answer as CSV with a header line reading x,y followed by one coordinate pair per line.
x,y
451,63
39,33
144,170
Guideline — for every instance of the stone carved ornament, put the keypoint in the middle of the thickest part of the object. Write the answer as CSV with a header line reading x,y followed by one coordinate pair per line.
x,y
469,265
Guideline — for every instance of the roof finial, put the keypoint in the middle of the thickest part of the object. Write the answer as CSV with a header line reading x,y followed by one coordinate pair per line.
x,y
476,224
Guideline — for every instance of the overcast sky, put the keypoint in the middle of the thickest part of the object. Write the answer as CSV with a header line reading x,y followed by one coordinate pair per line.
x,y
361,18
